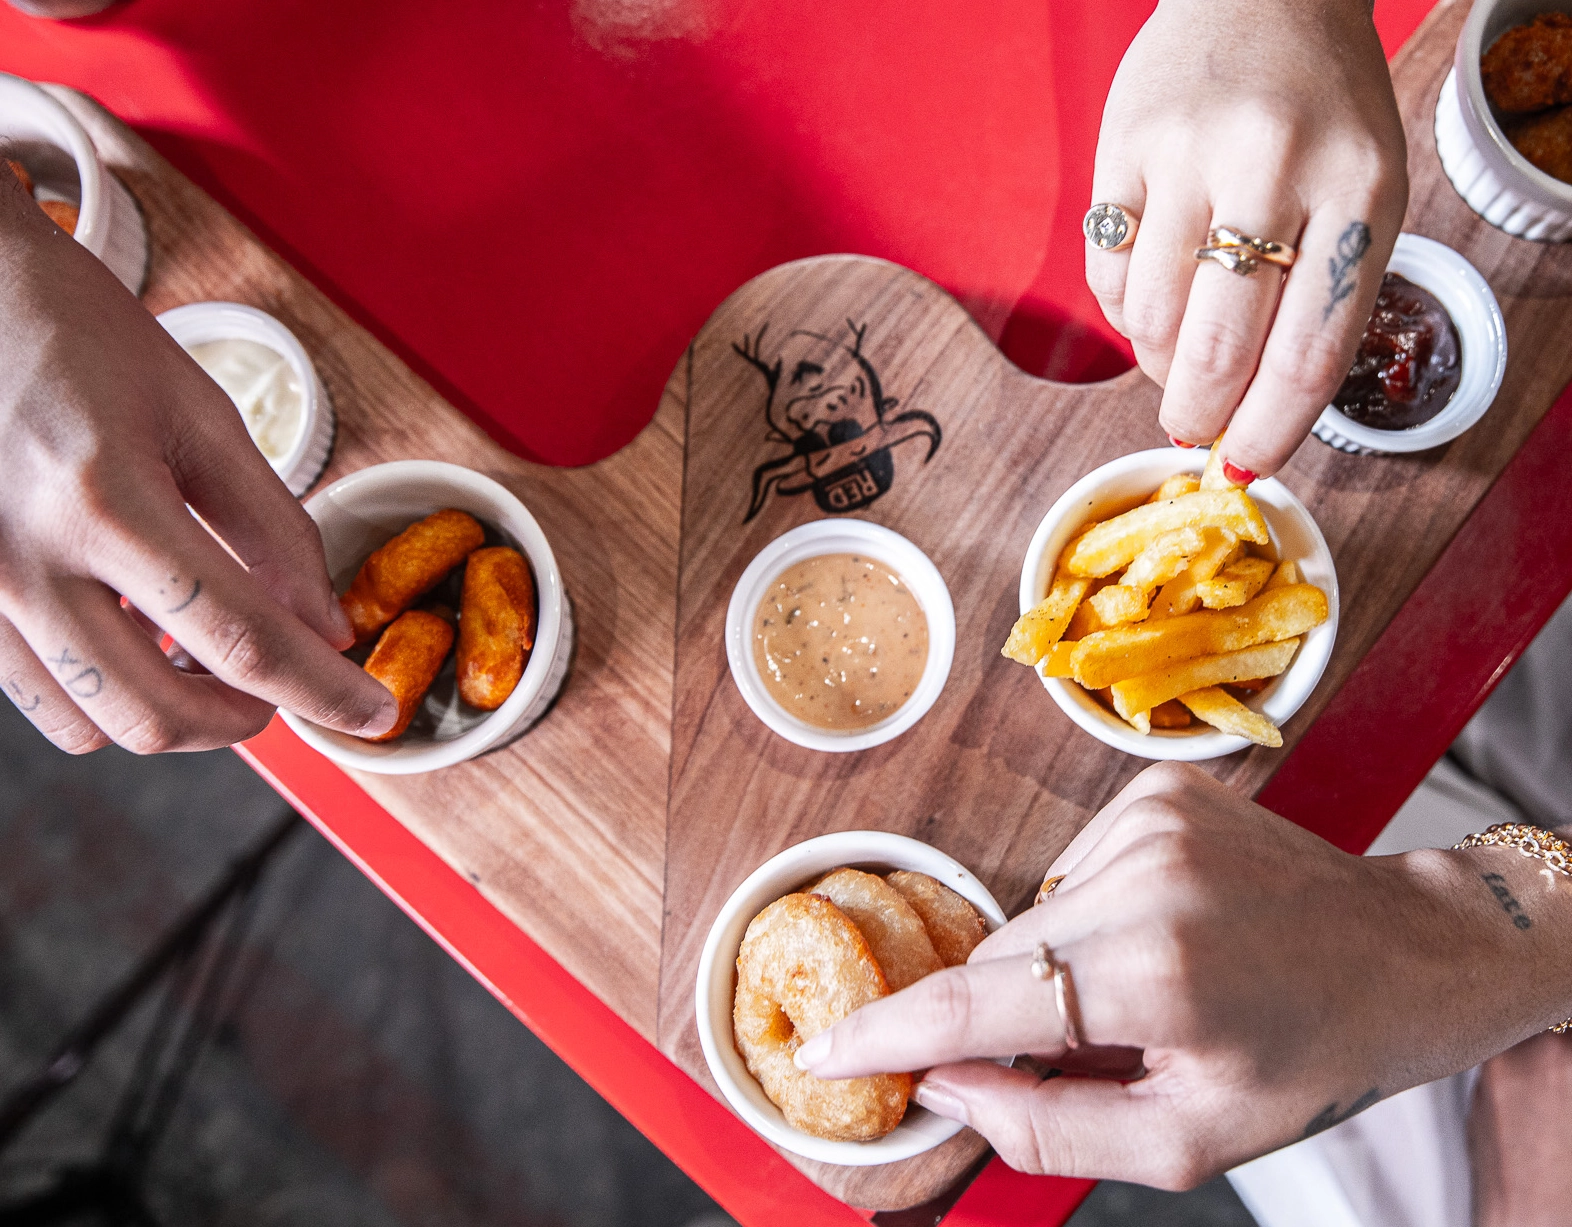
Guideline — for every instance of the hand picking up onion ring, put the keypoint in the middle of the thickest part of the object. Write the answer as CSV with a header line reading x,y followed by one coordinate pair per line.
x,y
810,959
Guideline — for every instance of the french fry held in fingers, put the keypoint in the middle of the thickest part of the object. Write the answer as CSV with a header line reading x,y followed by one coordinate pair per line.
x,y
1236,583
1140,694
1115,543
408,567
1212,476
1227,714
496,626
407,659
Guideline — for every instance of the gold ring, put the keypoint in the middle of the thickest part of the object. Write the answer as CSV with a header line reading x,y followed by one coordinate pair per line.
x,y
1045,891
1235,259
1044,966
1280,254
1109,227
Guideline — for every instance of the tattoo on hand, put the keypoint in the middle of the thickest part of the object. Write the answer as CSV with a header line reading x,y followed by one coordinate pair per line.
x,y
1509,904
19,696
1351,248
1329,1115
196,591
78,677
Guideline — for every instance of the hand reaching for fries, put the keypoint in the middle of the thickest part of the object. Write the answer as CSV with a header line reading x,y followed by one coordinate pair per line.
x,y
1271,985
1165,614
1275,118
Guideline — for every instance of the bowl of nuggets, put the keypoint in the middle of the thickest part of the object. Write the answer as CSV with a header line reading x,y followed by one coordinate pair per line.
x,y
813,934
1172,614
457,607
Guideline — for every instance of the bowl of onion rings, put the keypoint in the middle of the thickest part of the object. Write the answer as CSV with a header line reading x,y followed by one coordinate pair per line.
x,y
802,868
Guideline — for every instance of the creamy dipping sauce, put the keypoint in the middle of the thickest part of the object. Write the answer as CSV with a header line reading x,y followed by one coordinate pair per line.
x,y
263,386
840,641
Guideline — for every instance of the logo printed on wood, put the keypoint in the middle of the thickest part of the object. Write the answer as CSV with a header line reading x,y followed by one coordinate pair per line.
x,y
824,399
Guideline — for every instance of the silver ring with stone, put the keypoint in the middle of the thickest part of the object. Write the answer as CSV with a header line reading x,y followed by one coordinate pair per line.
x,y
1108,227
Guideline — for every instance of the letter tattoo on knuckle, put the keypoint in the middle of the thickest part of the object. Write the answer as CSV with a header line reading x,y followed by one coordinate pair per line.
x,y
19,695
77,676
1351,248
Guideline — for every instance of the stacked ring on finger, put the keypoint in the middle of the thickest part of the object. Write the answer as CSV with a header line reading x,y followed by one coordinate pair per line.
x,y
1109,227
1045,967
1243,253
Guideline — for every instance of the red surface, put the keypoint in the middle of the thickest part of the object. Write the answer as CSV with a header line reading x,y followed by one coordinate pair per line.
x,y
537,208
1503,575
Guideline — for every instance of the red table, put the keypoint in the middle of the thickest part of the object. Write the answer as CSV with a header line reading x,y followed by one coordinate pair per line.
x,y
536,206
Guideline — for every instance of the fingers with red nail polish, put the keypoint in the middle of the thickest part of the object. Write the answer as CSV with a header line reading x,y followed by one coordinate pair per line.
x,y
1240,477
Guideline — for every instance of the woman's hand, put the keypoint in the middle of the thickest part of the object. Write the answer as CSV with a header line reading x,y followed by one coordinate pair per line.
x,y
1276,985
109,430
1275,118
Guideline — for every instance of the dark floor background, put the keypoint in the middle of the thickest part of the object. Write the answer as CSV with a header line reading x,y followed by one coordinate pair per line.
x,y
364,1079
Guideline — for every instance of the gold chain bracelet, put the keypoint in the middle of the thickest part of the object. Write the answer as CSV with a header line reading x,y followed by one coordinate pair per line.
x,y
1534,843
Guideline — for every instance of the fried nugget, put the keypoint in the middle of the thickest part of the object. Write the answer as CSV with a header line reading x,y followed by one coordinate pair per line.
x,y
496,626
894,930
1529,67
62,212
407,660
1545,140
802,967
408,567
953,924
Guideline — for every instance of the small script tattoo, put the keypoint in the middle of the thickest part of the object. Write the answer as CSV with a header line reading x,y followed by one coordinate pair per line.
x,y
19,696
196,591
1351,248
77,676
1505,898
1330,1115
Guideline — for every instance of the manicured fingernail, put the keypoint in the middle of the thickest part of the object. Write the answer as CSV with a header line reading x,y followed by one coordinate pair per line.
x,y
940,1102
1240,477
1178,442
814,1051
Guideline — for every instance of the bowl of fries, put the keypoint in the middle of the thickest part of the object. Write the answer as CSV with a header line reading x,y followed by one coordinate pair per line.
x,y
362,513
1172,614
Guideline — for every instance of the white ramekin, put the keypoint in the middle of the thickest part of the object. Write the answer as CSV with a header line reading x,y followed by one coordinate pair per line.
x,y
1496,181
1119,485
716,986
46,138
199,322
1481,334
812,540
359,513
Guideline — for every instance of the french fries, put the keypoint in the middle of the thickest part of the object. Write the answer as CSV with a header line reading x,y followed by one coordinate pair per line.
x,y
1119,603
1173,610
1128,651
1115,543
1236,583
1228,715
1142,693
1039,629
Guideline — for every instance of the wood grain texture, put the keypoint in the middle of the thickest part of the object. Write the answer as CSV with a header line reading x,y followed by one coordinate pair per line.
x,y
615,829
565,829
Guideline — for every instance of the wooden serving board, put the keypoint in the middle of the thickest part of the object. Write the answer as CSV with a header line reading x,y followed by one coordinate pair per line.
x,y
615,829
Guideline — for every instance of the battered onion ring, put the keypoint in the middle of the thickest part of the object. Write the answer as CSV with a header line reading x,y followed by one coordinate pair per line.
x,y
894,930
952,923
803,966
